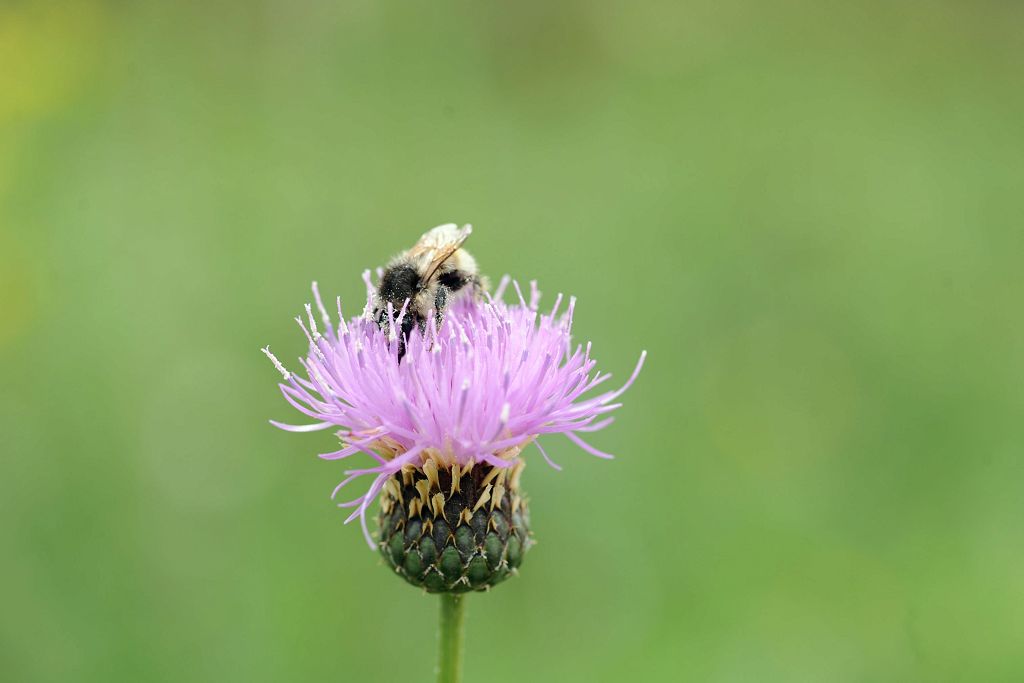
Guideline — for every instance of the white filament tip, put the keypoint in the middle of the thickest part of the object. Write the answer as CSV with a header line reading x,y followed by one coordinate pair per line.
x,y
277,364
320,305
312,321
341,319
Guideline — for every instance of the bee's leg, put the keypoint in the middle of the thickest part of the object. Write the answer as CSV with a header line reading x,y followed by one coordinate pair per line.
x,y
440,304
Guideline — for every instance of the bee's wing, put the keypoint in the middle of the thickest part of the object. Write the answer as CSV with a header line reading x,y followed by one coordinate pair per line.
x,y
441,237
437,246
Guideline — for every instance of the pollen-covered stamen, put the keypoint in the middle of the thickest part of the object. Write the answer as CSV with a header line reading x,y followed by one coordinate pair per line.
x,y
371,293
554,309
323,311
432,326
567,321
399,319
389,310
312,323
534,295
312,343
499,291
342,325
277,364
519,293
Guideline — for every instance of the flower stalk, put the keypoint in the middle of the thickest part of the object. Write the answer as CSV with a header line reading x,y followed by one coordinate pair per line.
x,y
450,638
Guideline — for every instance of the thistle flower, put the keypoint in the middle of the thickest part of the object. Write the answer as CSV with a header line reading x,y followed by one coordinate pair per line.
x,y
447,423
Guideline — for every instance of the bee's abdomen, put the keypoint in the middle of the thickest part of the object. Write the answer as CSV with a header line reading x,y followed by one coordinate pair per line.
x,y
454,280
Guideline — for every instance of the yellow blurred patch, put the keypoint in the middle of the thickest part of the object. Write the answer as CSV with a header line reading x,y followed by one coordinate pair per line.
x,y
47,50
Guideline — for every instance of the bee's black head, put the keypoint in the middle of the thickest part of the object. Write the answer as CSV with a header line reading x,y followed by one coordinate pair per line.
x,y
398,284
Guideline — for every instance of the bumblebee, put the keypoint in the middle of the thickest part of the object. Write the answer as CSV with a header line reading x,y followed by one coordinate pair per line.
x,y
431,275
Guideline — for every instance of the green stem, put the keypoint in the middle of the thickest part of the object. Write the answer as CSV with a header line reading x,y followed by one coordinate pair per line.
x,y
453,612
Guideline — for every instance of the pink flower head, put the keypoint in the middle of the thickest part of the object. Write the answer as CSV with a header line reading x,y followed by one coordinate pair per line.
x,y
481,387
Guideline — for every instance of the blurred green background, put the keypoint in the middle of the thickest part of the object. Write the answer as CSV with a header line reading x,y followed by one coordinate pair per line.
x,y
810,214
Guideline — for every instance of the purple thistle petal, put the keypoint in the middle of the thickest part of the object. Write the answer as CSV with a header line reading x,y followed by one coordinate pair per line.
x,y
547,459
301,428
588,448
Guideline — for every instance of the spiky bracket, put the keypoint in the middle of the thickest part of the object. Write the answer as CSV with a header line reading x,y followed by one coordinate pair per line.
x,y
453,530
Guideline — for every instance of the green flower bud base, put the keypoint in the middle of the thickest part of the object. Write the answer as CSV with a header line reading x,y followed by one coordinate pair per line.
x,y
453,530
